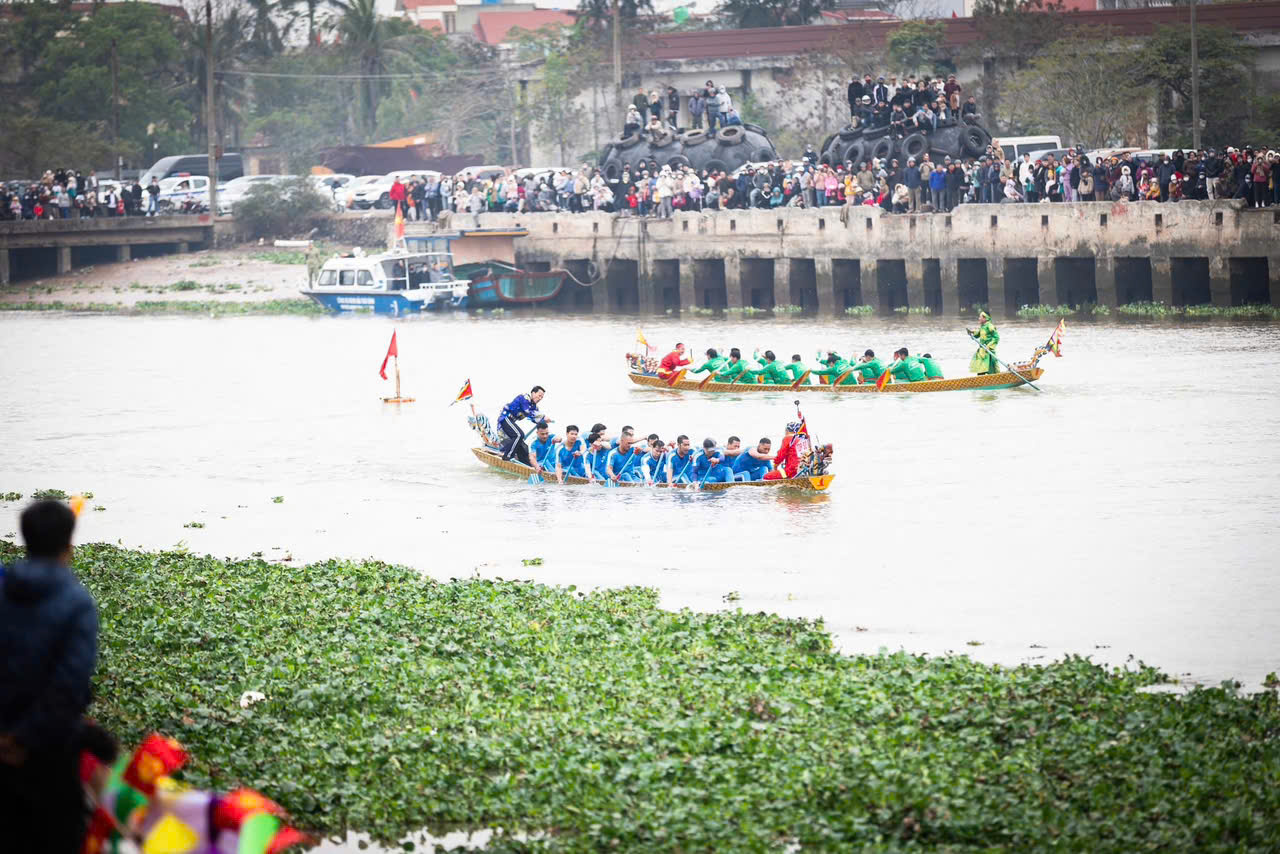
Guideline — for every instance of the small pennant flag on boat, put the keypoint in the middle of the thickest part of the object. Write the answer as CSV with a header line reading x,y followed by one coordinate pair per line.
x,y
676,377
642,340
885,379
465,394
399,223
1055,340
391,351
804,425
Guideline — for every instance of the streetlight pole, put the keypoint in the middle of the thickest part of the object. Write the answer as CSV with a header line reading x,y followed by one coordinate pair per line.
x,y
617,55
115,109
1195,83
210,112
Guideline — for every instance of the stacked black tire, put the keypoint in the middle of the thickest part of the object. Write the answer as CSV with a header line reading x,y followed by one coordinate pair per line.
x,y
955,140
724,150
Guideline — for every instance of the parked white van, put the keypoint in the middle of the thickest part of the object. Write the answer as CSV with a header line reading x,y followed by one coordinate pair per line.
x,y
1015,146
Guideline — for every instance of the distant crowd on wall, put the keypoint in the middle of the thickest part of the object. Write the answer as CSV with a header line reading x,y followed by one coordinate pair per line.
x,y
656,112
70,194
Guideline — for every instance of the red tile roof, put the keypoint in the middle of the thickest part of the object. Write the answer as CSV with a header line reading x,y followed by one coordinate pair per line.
x,y
431,25
790,41
418,4
492,27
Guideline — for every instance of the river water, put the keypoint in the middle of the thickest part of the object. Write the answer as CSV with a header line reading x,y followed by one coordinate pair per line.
x,y
1128,510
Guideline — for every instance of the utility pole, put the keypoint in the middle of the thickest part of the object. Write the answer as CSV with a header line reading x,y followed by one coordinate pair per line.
x,y
617,57
1195,83
209,109
115,109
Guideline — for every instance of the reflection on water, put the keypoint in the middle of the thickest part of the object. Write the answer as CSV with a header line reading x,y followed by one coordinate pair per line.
x,y
1128,509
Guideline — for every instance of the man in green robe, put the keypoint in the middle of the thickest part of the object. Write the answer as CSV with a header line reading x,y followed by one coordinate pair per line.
x,y
931,369
713,363
982,361
796,369
906,369
869,368
770,371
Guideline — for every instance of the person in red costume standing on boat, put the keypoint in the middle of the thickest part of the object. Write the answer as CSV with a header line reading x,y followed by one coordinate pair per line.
x,y
673,362
787,461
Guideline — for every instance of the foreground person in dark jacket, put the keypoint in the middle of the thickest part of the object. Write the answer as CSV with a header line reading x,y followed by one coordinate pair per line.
x,y
48,650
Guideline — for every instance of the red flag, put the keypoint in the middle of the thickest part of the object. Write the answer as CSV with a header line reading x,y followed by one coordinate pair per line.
x,y
885,379
465,394
399,223
232,809
391,351
156,757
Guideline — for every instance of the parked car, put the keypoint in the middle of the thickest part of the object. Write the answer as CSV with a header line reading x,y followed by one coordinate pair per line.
x,y
377,194
331,186
234,191
349,191
181,192
1016,146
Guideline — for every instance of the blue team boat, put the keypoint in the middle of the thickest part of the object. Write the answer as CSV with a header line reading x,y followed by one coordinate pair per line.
x,y
397,282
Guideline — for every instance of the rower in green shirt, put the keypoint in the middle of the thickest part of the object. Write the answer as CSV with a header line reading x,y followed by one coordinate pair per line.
x,y
931,369
836,367
735,370
869,368
713,363
905,368
982,361
797,369
770,371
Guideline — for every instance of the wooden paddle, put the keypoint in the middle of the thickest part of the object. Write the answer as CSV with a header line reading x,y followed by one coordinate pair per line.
x,y
841,378
707,380
799,382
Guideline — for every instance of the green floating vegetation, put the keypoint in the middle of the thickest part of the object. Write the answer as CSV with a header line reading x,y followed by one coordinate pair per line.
x,y
214,308
281,256
194,525
599,721
914,309
1099,309
1045,310
10,496
699,311
277,499
185,285
53,494
1268,312
788,309
859,310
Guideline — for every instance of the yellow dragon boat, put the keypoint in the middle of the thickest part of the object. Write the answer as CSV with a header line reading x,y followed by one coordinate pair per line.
x,y
1020,373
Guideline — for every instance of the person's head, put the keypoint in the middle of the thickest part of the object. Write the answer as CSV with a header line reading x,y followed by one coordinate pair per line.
x,y
543,430
795,357
537,393
733,444
900,353
656,447
927,356
682,444
708,444
764,445
769,357
711,353
626,437
679,348
571,434
734,354
46,529
870,354
832,358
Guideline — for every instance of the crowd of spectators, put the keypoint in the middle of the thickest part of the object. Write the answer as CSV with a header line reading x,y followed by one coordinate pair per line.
x,y
68,194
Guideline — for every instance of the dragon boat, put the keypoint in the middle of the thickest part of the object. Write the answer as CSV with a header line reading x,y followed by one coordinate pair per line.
x,y
814,474
644,372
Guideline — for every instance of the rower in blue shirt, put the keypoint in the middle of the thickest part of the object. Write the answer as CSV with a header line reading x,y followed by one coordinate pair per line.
x,y
569,459
710,467
682,461
543,448
752,463
622,465
597,456
653,465
524,406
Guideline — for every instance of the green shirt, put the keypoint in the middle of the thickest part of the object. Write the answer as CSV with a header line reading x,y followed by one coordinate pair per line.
x,y
870,370
796,370
831,372
931,369
710,365
774,373
731,371
988,335
908,369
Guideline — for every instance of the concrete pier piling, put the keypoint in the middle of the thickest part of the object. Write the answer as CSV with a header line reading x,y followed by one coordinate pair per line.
x,y
828,259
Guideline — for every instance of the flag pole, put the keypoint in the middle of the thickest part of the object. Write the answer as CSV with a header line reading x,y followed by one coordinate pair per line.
x,y
397,376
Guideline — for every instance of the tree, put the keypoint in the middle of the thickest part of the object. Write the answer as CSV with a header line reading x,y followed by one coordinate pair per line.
x,y
1011,33
917,46
596,16
552,105
744,14
371,39
1164,60
1083,87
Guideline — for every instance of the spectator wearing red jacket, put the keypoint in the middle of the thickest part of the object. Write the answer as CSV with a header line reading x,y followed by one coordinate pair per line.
x,y
397,194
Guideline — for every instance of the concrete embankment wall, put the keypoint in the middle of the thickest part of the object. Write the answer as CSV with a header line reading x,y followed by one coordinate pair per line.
x,y
825,260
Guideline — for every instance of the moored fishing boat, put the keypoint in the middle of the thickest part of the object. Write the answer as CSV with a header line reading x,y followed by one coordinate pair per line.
x,y
397,282
494,283
814,474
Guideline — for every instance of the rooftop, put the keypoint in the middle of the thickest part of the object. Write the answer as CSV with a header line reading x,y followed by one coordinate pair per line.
x,y
493,27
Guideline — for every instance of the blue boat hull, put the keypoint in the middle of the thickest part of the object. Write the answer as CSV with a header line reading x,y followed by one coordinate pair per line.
x,y
393,304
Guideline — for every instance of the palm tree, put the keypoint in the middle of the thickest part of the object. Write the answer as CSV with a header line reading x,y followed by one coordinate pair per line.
x,y
233,44
371,39
265,36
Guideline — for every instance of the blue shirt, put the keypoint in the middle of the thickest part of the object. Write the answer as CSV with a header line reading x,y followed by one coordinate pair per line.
x,y
544,452
521,407
624,465
568,462
937,180
656,469
682,467
596,461
704,463
749,464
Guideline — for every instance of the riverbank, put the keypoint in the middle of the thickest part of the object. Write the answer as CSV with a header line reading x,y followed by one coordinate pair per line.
x,y
395,702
